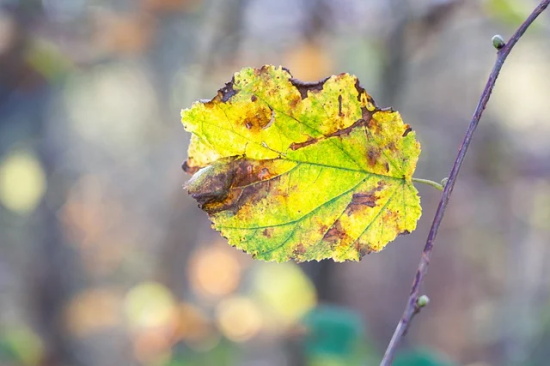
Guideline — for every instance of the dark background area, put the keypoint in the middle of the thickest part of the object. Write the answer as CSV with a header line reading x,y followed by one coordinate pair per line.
x,y
105,260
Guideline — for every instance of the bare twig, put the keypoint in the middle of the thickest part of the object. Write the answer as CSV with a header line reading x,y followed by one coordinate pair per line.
x,y
412,307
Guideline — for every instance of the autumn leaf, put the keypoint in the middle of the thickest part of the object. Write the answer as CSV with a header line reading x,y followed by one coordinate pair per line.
x,y
303,171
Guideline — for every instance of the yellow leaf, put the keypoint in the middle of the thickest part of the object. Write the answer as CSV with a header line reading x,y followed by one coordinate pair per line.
x,y
304,171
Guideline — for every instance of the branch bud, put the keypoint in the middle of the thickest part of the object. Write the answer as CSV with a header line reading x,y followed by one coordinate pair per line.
x,y
498,41
422,301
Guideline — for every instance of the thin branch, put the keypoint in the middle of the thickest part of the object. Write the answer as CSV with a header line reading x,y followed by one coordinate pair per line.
x,y
412,306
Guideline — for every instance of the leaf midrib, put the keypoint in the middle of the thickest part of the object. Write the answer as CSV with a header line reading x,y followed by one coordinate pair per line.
x,y
283,156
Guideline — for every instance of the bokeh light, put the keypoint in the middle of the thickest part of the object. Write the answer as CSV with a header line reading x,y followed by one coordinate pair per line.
x,y
308,62
239,318
149,304
152,314
93,102
195,328
95,223
214,271
284,291
152,346
22,181
94,310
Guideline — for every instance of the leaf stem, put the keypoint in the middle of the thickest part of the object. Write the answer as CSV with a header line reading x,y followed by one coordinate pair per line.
x,y
436,185
411,308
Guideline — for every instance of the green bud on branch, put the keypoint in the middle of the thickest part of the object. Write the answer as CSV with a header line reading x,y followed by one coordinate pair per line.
x,y
422,301
498,41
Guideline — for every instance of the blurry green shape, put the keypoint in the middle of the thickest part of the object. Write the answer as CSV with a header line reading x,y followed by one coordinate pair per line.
x,y
335,337
510,12
20,345
22,181
224,354
149,304
421,357
331,330
539,352
48,60
285,292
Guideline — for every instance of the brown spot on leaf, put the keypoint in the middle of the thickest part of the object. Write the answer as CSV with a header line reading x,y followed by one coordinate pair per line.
x,y
267,232
366,114
338,133
264,174
227,91
265,69
250,171
233,184
373,154
299,250
347,130
238,197
299,145
362,249
256,119
294,102
374,126
253,98
340,106
365,199
304,87
360,90
340,76
360,200
392,215
223,95
336,234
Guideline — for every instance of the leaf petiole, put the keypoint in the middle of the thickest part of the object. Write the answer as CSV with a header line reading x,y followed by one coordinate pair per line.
x,y
436,185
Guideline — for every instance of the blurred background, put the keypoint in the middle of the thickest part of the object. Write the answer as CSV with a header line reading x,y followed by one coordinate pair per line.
x,y
105,260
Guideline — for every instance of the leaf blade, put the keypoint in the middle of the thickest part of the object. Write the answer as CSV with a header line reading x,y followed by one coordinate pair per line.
x,y
303,171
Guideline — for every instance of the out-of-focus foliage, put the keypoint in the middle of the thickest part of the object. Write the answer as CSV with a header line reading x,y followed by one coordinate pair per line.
x,y
22,182
20,346
288,298
304,171
420,357
335,336
512,12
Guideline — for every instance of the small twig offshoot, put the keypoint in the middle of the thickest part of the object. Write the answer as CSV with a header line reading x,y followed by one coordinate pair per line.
x,y
436,185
